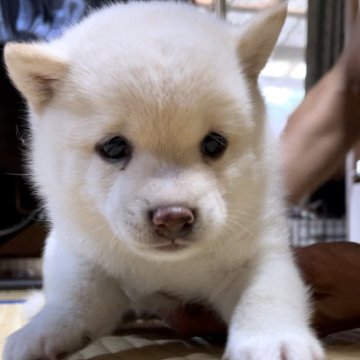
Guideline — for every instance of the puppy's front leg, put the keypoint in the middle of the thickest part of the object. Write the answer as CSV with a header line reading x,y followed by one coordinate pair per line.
x,y
270,321
81,303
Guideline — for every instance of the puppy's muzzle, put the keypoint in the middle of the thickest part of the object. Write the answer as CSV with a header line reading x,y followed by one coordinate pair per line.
x,y
172,222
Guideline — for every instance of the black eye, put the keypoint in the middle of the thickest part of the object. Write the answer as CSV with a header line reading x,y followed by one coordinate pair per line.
x,y
114,149
213,145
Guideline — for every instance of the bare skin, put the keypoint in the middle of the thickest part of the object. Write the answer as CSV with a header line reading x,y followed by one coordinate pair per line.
x,y
316,139
325,126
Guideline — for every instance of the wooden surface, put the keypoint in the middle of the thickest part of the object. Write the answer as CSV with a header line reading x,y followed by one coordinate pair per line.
x,y
155,343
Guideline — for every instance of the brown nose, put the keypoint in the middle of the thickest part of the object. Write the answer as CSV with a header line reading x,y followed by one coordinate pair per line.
x,y
172,221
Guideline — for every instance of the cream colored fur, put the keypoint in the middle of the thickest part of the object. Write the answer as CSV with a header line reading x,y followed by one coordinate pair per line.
x,y
163,75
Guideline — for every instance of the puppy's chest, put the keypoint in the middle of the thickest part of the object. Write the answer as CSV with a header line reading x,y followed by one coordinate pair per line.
x,y
146,278
170,282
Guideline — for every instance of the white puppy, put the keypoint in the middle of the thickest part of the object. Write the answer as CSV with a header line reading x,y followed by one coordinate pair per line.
x,y
150,151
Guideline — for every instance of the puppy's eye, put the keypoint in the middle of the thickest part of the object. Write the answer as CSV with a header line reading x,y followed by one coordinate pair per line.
x,y
213,145
114,149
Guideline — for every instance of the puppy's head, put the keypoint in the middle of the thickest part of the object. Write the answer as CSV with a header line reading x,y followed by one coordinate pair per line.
x,y
147,124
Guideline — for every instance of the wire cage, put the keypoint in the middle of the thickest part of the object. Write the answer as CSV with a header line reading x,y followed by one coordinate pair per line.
x,y
308,226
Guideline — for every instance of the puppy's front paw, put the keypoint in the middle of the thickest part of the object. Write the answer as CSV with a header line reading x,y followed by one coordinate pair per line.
x,y
45,339
274,346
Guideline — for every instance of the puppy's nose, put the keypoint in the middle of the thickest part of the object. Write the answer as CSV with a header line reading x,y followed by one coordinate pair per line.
x,y
172,221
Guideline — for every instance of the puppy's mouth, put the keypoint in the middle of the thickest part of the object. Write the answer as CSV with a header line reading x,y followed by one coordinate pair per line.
x,y
170,245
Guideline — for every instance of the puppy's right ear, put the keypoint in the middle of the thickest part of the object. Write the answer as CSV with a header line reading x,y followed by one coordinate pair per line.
x,y
35,70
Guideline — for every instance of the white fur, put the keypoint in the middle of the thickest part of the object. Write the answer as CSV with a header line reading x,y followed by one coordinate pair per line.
x,y
163,76
34,303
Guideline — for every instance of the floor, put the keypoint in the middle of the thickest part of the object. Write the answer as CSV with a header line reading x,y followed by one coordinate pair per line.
x,y
153,343
10,313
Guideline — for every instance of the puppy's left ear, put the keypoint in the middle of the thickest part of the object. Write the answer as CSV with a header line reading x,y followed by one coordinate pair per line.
x,y
35,70
258,37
